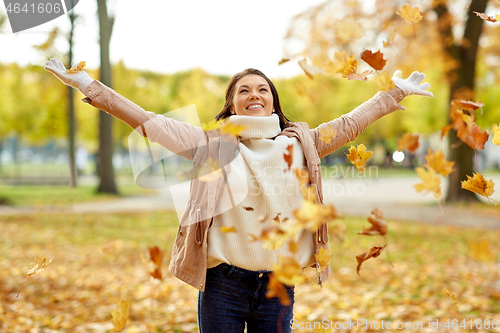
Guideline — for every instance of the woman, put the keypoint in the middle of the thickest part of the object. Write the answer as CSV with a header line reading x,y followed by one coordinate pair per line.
x,y
230,270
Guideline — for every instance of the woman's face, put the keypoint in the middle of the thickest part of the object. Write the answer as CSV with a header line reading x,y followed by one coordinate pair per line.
x,y
252,97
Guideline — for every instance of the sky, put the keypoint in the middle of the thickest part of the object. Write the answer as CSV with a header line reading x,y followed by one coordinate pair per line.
x,y
220,36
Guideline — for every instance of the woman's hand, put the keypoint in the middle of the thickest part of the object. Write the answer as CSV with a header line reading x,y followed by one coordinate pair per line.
x,y
79,80
412,85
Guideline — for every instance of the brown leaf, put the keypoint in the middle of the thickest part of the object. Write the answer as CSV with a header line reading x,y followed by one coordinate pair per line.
x,y
289,156
156,255
283,60
467,105
374,252
276,289
248,209
445,130
473,136
375,60
379,226
485,17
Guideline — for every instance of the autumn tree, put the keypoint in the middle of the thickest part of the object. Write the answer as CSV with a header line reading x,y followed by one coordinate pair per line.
x,y
443,38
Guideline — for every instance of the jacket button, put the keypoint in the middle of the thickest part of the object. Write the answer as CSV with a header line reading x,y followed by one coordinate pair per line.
x,y
319,238
201,285
180,233
260,275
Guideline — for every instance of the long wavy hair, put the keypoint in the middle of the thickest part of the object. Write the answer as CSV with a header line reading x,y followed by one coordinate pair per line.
x,y
226,110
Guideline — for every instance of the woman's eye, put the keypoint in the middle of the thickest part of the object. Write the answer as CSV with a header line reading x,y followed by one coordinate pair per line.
x,y
243,90
263,89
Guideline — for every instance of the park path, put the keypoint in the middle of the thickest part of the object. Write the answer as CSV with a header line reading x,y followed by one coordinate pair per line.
x,y
396,196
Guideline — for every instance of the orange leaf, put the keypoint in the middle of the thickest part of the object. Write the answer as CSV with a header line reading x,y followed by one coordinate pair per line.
x,y
379,226
438,162
276,289
375,60
342,64
408,141
307,190
410,15
486,17
374,252
289,156
473,136
431,182
358,156
120,315
361,77
445,130
467,105
479,185
496,134
156,255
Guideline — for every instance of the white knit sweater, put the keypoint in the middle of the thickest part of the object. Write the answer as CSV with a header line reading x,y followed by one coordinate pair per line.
x,y
272,191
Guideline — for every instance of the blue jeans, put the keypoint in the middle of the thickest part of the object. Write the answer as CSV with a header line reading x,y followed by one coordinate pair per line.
x,y
234,296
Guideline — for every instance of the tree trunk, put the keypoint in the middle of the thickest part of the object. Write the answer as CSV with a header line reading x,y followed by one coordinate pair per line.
x,y
106,171
461,87
71,110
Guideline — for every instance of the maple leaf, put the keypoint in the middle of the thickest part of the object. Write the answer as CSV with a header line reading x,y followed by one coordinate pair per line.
x,y
384,81
283,60
496,134
374,252
390,39
288,271
342,64
311,215
410,15
408,141
77,68
480,250
156,256
452,297
485,17
361,77
479,185
120,315
310,70
323,258
431,182
438,162
228,127
473,136
35,267
276,234
227,229
467,105
327,133
289,156
358,156
375,60
379,226
276,289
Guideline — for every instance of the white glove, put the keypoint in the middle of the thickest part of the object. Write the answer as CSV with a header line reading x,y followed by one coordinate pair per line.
x,y
412,85
79,80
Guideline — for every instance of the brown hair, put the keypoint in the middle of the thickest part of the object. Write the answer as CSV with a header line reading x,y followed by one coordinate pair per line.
x,y
226,110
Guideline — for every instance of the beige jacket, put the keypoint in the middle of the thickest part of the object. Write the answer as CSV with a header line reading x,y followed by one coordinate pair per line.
x,y
189,255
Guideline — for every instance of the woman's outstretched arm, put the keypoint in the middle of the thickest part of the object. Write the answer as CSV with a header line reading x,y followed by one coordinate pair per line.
x,y
349,126
178,137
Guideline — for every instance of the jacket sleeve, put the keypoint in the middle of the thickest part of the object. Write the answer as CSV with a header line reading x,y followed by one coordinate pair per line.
x,y
178,137
349,126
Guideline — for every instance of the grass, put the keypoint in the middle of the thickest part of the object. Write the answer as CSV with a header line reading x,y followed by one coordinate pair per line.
x,y
97,261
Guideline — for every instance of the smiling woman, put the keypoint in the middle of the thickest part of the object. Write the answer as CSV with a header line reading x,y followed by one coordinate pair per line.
x,y
218,248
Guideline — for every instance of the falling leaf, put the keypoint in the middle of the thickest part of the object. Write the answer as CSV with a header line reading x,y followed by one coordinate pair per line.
x,y
496,134
248,209
210,126
274,235
327,133
288,271
156,255
390,39
379,226
438,162
276,289
374,252
289,156
310,70
228,127
375,60
408,141
358,156
342,64
480,250
473,136
384,81
293,246
467,105
431,182
323,258
283,60
410,15
361,77
227,229
479,185
452,297
38,265
486,17
120,315
307,190
312,215
277,218
77,68
445,130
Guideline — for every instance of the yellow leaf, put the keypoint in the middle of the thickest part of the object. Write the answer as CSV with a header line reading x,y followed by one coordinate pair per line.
x,y
480,250
410,15
360,77
210,126
479,185
311,215
323,258
227,127
431,182
358,156
452,297
276,289
496,134
227,229
327,133
38,265
342,63
77,68
288,271
384,81
120,315
438,162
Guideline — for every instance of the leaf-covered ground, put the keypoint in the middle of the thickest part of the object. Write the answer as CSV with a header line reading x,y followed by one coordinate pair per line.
x,y
96,261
